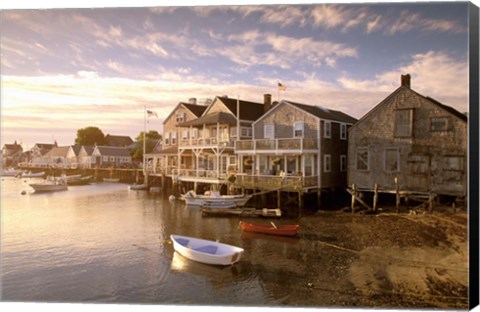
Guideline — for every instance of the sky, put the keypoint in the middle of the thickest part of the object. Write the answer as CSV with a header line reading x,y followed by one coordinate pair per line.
x,y
64,69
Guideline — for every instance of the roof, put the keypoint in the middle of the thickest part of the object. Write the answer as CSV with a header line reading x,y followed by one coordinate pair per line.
x,y
60,151
449,109
197,110
13,147
248,110
76,149
324,113
89,149
113,151
118,140
169,150
209,119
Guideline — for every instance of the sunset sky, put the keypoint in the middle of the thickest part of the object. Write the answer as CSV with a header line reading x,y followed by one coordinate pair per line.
x,y
66,69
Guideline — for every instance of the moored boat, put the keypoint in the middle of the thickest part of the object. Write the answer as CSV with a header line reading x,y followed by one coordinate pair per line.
x,y
33,174
191,198
242,212
138,187
50,185
206,251
11,172
80,180
285,230
111,179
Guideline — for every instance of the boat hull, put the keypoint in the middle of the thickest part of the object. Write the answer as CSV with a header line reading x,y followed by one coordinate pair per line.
x,y
284,230
39,188
193,199
205,251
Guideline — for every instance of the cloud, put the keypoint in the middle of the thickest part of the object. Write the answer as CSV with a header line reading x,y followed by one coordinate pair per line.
x,y
434,74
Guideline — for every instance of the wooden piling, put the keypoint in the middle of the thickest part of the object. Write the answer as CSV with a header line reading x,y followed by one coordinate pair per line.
x,y
375,197
354,193
397,195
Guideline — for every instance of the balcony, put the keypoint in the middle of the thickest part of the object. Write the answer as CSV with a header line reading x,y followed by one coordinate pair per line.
x,y
270,145
206,143
291,183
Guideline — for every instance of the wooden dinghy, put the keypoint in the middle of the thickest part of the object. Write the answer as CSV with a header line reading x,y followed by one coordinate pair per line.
x,y
284,230
206,251
242,212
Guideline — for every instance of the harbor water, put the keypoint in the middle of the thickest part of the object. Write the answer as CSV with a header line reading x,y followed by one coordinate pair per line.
x,y
103,243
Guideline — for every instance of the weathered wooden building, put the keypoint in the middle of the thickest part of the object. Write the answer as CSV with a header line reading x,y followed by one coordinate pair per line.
x,y
410,143
294,144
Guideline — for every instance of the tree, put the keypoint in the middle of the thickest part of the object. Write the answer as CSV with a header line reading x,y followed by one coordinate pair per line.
x,y
151,137
90,136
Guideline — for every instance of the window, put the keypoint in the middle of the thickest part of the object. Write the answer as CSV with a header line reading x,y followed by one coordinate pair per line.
x,y
327,163
392,160
343,163
167,138
439,124
268,131
194,133
246,132
185,134
362,160
343,131
453,163
233,132
418,163
403,122
174,138
298,129
327,129
181,117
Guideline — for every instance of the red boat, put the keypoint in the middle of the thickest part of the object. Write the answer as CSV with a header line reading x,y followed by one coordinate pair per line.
x,y
285,230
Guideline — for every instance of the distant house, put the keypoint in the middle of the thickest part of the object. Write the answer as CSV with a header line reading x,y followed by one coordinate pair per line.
x,y
62,157
164,161
305,144
411,138
118,140
37,153
85,157
11,154
110,156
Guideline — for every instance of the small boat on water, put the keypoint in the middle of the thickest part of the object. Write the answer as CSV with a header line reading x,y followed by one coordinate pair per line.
x,y
242,212
11,172
191,198
79,180
50,185
138,187
33,174
206,251
284,230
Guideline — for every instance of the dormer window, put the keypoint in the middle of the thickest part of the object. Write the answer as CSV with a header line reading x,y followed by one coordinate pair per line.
x,y
298,129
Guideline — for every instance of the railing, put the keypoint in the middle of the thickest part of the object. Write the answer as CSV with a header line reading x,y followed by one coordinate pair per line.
x,y
199,173
277,144
270,182
206,142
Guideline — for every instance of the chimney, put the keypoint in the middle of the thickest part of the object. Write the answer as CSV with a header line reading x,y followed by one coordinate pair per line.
x,y
405,80
192,101
267,102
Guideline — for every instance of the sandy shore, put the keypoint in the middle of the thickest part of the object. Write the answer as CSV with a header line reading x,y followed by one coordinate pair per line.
x,y
386,260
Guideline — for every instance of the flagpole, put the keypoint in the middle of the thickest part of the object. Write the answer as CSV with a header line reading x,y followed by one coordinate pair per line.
x,y
144,136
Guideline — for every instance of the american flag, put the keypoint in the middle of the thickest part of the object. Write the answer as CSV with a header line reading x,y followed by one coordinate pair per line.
x,y
151,113
281,87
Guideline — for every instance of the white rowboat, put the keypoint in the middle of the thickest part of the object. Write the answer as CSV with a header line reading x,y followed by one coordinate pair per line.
x,y
49,186
193,199
206,251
